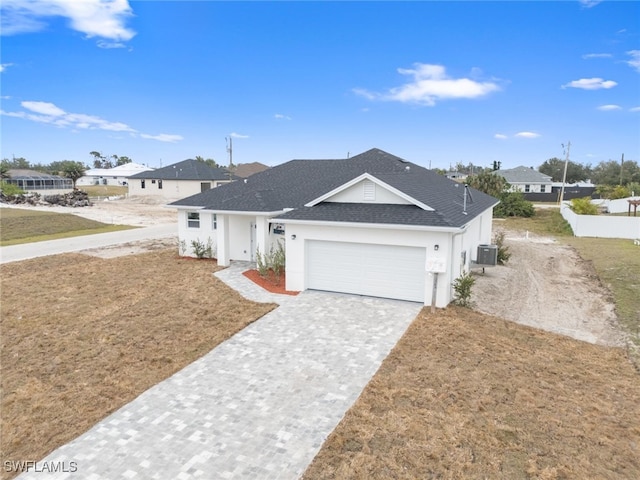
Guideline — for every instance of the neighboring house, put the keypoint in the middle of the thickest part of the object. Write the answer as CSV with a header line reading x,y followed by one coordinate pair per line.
x,y
455,175
244,170
179,180
111,176
526,180
373,224
38,182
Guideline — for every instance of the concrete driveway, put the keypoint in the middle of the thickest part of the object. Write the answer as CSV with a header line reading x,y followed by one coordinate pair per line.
x,y
260,405
25,251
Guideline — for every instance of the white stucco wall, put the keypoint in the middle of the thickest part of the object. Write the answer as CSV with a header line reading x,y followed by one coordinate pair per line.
x,y
296,250
171,189
356,194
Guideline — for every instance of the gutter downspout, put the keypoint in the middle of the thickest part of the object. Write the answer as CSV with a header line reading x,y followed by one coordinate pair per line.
x,y
453,236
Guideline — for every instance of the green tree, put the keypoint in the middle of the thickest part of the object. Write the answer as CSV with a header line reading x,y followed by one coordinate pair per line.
x,y
209,161
4,171
123,161
18,163
72,170
609,173
554,167
489,183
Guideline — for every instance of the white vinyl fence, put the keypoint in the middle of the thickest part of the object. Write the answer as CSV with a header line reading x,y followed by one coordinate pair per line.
x,y
600,225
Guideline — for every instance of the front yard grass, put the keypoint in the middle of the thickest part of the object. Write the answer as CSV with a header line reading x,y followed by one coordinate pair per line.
x,y
24,226
82,336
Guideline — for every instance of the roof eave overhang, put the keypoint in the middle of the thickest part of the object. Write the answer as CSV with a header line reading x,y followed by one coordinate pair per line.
x,y
384,226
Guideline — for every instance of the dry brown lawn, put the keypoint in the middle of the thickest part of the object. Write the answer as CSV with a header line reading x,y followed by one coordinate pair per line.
x,y
467,395
82,336
462,395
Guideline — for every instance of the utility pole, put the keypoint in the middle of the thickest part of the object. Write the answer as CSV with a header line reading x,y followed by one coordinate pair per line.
x,y
564,175
230,151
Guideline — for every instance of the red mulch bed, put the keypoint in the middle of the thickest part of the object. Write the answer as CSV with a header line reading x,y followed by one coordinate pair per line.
x,y
271,283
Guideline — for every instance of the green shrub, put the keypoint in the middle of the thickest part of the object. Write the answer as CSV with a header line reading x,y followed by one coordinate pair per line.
x,y
201,249
583,206
9,189
462,286
503,251
513,204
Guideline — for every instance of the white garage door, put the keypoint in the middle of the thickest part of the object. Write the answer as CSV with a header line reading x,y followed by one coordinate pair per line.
x,y
366,269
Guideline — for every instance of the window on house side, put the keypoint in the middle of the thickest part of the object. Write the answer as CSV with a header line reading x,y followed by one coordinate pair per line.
x,y
159,184
141,183
527,188
543,188
214,221
193,219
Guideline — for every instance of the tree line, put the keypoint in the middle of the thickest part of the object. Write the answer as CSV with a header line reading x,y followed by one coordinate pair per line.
x,y
610,172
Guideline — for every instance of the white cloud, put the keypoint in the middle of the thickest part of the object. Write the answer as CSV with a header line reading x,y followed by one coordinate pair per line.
x,y
429,84
591,84
3,66
500,136
596,55
237,135
47,112
635,59
634,109
163,137
44,108
589,3
94,18
280,116
606,108
527,135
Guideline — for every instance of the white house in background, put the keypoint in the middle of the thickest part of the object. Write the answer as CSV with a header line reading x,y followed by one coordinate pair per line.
x,y
111,176
526,180
373,224
179,180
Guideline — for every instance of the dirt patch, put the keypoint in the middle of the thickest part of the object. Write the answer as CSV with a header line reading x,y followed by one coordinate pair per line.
x,y
467,395
138,211
82,336
547,285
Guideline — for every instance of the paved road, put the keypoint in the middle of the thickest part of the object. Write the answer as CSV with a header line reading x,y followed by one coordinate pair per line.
x,y
259,406
25,251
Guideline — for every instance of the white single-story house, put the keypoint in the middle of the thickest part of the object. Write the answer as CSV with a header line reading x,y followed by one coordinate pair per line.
x,y
111,176
373,224
179,180
526,180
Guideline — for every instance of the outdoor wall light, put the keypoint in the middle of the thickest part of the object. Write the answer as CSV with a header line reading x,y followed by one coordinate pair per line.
x,y
436,247
293,237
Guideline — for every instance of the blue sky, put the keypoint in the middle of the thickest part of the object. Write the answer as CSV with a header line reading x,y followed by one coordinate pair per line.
x,y
433,82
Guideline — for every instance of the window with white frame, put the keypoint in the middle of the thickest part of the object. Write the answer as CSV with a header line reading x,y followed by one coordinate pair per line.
x,y
214,221
527,188
193,219
543,188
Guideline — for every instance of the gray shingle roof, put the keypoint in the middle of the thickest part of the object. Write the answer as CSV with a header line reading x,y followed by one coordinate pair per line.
x,y
298,182
523,175
185,170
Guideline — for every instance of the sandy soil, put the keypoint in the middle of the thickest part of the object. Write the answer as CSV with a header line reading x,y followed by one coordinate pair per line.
x,y
138,211
548,286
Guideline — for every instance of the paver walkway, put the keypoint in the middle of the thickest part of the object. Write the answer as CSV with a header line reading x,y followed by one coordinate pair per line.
x,y
259,406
